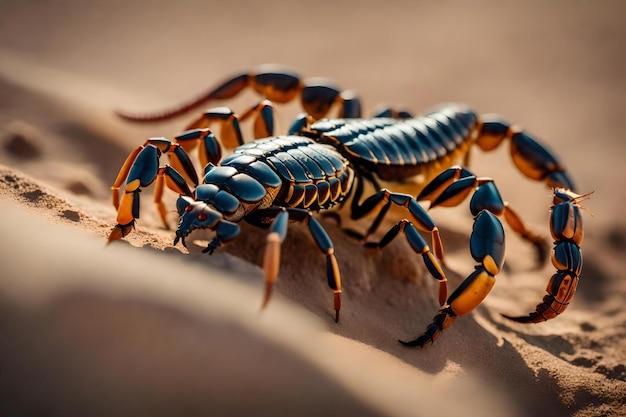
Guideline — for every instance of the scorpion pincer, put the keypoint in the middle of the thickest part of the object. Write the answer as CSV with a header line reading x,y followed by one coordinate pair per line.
x,y
321,164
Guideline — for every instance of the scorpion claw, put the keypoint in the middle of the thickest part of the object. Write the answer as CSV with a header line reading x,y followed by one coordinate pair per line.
x,y
181,239
210,248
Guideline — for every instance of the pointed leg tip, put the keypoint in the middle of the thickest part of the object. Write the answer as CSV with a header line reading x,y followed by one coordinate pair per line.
x,y
337,303
264,304
116,234
267,296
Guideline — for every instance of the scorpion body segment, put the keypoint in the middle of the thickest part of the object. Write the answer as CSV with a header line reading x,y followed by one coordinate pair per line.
x,y
396,149
323,163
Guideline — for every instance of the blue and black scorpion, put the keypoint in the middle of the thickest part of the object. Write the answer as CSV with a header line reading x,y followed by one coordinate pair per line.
x,y
324,163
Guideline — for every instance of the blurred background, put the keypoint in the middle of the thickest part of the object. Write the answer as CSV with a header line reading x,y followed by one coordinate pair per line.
x,y
556,68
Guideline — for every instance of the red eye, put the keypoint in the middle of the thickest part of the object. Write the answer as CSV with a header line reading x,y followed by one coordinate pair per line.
x,y
202,217
188,208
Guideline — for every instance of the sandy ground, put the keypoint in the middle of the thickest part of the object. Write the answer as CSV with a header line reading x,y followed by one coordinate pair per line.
x,y
143,328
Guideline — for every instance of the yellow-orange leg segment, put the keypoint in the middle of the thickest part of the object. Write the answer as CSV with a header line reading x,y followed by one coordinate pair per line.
x,y
277,234
566,226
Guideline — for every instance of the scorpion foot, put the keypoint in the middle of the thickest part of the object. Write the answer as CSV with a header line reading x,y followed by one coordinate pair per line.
x,y
121,230
214,244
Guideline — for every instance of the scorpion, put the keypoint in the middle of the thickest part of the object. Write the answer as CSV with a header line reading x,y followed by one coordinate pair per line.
x,y
324,163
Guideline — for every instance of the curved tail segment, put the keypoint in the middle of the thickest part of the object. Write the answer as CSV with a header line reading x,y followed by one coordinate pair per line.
x,y
566,227
274,83
487,247
226,90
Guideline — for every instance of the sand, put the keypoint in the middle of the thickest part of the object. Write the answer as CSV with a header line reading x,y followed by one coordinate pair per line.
x,y
141,327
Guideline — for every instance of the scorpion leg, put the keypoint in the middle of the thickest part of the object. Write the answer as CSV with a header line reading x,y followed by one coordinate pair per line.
x,y
420,247
169,176
264,120
393,113
140,169
319,94
209,152
423,222
302,122
533,159
350,105
230,131
122,175
277,234
453,185
487,248
351,108
566,226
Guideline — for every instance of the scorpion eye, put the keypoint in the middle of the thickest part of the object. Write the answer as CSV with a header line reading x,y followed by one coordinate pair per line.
x,y
188,208
202,217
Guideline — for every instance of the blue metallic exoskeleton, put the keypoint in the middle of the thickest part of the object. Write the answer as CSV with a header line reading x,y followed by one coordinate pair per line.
x,y
325,163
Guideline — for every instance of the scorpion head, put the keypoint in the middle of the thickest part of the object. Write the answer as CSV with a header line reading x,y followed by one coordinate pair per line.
x,y
212,208
195,215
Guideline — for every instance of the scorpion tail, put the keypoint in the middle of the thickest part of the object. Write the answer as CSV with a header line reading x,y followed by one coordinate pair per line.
x,y
566,227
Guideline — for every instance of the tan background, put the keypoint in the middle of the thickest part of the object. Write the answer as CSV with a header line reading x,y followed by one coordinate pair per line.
x,y
557,68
